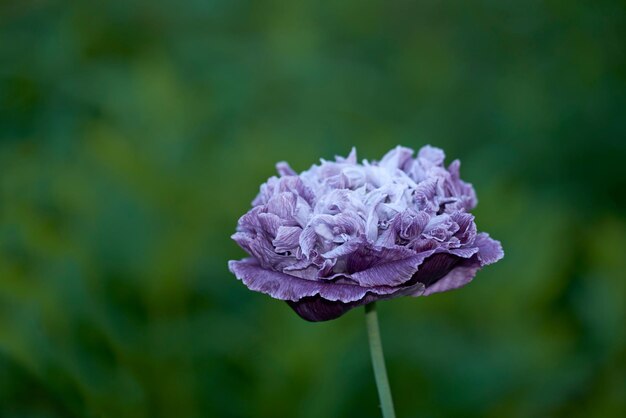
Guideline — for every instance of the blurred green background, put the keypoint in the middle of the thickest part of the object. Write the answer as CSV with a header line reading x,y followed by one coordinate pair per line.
x,y
133,134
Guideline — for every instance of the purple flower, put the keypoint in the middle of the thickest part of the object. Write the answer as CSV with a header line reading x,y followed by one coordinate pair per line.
x,y
344,234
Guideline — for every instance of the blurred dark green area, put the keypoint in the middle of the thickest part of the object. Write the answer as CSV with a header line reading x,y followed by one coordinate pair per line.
x,y
134,134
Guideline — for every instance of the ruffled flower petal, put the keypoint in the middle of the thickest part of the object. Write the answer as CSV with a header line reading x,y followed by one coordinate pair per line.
x,y
289,288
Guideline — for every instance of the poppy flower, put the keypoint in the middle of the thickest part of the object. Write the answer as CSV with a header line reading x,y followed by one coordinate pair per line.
x,y
344,234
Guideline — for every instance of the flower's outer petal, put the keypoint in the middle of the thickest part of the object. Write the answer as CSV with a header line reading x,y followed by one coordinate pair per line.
x,y
392,266
286,287
317,309
489,250
368,256
435,267
458,277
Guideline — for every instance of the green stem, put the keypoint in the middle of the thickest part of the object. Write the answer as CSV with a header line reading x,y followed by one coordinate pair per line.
x,y
378,361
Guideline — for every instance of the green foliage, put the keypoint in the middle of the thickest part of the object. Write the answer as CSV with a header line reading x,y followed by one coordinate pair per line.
x,y
134,134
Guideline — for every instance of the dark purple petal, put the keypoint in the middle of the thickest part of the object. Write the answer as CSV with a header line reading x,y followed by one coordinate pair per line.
x,y
387,266
434,268
317,309
489,251
458,277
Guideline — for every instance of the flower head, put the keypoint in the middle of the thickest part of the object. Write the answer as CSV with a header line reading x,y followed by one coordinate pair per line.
x,y
344,234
